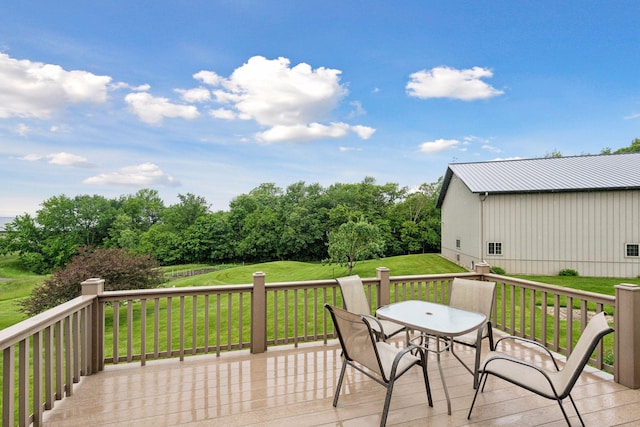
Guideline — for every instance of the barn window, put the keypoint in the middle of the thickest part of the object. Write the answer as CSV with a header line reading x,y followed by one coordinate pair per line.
x,y
633,249
458,243
495,248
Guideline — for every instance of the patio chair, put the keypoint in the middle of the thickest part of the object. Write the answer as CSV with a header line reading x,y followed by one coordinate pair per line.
x,y
355,301
478,296
379,360
552,384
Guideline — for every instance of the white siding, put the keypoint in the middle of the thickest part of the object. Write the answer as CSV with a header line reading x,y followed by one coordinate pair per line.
x,y
461,221
544,233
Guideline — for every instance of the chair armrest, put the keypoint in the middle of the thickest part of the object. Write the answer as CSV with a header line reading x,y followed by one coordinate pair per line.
x,y
528,341
501,356
370,318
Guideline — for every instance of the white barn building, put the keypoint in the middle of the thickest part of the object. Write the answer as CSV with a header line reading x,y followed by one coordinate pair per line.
x,y
540,216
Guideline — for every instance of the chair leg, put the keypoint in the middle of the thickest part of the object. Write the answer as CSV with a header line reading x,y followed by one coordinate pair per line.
x,y
387,402
484,375
575,408
426,378
492,346
337,395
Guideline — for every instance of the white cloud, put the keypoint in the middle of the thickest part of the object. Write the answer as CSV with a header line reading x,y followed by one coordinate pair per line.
x,y
292,102
122,85
632,116
364,132
30,158
35,89
68,159
22,129
445,82
223,113
491,148
153,110
142,175
357,109
60,159
198,94
303,132
208,77
505,158
60,128
438,145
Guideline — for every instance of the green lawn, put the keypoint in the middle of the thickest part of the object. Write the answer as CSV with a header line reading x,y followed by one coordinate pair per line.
x,y
601,285
15,284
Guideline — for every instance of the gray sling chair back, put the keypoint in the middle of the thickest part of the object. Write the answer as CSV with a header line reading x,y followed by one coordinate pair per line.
x,y
478,296
379,360
355,301
553,384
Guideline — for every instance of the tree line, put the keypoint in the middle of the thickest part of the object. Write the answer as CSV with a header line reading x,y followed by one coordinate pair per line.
x,y
302,222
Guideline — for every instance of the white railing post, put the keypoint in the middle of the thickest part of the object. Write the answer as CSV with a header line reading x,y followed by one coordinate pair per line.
x,y
95,339
259,314
627,335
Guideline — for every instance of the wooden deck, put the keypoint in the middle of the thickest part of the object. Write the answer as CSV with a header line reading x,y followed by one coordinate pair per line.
x,y
289,386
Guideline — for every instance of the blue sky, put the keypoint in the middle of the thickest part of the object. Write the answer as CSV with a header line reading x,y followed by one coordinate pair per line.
x,y
214,98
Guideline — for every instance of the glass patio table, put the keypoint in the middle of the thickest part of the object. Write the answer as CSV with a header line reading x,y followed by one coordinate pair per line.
x,y
440,322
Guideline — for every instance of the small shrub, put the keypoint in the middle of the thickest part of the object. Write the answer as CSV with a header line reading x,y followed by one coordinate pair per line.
x,y
568,272
498,270
120,269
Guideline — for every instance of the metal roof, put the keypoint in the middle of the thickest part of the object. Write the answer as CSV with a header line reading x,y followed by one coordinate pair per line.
x,y
578,173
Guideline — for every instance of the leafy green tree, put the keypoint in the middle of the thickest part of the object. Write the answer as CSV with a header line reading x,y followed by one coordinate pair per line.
x,y
354,241
261,232
58,229
184,214
136,215
633,148
552,154
163,243
120,268
24,236
303,211
210,239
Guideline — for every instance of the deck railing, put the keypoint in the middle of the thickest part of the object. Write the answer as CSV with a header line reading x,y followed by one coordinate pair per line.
x,y
44,355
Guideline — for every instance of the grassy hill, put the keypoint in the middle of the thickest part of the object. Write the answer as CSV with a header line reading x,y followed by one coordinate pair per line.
x,y
285,271
15,284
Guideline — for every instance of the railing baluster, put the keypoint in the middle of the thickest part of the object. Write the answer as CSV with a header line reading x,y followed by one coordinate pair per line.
x,y
181,348
240,319
68,352
229,321
295,318
116,331
8,382
194,324
23,382
48,368
156,327
58,353
275,317
206,324
143,331
75,331
218,324
286,317
169,327
37,379
532,314
129,330
569,345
